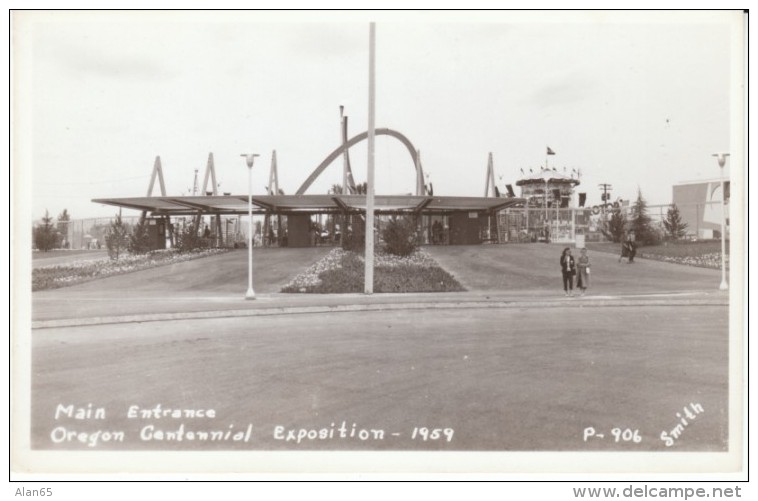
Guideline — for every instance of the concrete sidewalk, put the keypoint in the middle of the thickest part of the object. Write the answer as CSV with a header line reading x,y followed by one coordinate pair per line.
x,y
125,307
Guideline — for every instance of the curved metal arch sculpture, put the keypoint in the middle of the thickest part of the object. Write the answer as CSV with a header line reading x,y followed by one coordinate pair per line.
x,y
352,142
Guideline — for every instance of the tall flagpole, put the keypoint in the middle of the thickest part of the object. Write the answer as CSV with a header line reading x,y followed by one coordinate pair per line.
x,y
369,253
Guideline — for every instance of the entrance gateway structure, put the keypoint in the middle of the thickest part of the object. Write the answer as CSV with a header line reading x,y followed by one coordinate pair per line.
x,y
545,211
463,220
442,219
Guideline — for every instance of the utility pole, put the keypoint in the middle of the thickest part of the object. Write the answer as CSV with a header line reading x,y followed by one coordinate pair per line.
x,y
605,197
606,188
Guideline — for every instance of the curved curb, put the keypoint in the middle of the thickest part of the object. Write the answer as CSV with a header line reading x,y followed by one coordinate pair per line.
x,y
300,310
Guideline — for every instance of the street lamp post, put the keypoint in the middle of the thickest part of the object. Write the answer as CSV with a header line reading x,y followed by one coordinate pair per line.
x,y
721,158
250,158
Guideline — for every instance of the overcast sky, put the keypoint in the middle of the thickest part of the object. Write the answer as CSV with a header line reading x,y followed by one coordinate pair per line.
x,y
640,103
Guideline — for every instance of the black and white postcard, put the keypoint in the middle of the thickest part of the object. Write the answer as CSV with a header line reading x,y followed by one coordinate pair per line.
x,y
464,242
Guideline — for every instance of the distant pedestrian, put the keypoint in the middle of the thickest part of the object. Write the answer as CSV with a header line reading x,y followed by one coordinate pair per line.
x,y
583,268
436,232
628,249
632,249
568,270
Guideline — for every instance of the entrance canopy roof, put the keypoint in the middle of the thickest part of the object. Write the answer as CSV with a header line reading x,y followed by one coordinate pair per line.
x,y
284,204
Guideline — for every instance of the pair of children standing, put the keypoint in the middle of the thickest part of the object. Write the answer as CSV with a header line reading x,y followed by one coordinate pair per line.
x,y
569,268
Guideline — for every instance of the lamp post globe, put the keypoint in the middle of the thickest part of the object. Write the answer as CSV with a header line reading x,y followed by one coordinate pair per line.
x,y
250,159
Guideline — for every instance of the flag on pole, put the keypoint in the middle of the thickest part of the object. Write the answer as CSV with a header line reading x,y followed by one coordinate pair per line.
x,y
549,151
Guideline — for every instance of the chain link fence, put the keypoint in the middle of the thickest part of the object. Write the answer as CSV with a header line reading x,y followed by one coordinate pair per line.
x,y
90,233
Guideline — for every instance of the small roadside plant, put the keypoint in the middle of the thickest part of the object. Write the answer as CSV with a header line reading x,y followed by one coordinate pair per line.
x,y
139,239
617,226
400,237
64,218
640,222
354,239
675,227
116,239
189,240
44,234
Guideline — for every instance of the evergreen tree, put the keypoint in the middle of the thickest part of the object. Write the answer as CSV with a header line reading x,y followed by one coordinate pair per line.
x,y
400,236
674,224
116,238
44,234
354,235
617,226
63,220
139,239
640,221
189,239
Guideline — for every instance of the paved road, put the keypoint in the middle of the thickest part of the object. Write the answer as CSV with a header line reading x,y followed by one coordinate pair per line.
x,y
510,364
501,379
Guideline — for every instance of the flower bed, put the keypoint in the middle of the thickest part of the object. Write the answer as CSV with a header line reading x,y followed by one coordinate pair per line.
x,y
342,271
710,260
52,277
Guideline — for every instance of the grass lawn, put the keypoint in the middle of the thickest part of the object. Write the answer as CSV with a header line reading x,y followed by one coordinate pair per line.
x,y
62,275
65,252
706,253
